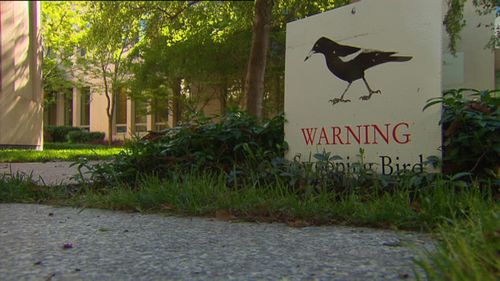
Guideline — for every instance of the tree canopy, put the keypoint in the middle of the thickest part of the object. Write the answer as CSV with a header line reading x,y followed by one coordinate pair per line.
x,y
162,50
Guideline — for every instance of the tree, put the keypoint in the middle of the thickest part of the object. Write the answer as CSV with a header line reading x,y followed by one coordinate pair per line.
x,y
204,44
254,82
62,29
113,31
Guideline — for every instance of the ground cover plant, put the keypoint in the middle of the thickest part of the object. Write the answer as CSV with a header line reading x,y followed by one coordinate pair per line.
x,y
59,152
236,143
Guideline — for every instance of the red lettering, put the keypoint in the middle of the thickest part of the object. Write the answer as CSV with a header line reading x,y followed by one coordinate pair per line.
x,y
323,135
336,134
351,132
377,129
359,134
309,136
406,135
367,136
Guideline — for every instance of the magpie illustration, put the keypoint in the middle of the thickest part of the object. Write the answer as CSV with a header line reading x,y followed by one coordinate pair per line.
x,y
337,61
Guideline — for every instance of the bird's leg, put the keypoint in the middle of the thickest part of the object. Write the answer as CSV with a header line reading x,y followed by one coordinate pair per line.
x,y
370,91
337,100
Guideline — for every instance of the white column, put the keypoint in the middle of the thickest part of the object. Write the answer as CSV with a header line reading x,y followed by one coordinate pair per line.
x,y
60,109
130,118
77,122
149,119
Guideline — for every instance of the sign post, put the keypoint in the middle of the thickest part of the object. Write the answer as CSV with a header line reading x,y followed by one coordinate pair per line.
x,y
358,77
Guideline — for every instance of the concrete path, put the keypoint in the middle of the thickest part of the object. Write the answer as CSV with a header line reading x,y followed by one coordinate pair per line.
x,y
106,245
47,173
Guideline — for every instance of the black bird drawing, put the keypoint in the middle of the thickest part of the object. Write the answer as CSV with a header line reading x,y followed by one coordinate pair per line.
x,y
337,60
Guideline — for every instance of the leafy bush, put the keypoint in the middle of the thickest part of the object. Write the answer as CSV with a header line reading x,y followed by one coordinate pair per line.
x,y
236,141
85,137
58,133
471,128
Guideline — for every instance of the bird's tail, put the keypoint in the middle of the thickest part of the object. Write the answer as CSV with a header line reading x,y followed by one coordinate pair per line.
x,y
400,58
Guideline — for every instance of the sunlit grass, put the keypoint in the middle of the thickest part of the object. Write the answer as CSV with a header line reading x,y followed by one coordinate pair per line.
x,y
59,152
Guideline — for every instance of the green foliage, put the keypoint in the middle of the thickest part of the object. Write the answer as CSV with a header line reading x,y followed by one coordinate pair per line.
x,y
21,188
85,137
468,249
58,133
471,125
235,140
62,29
454,20
207,44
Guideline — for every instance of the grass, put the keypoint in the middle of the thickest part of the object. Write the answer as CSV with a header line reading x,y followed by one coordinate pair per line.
x,y
205,195
20,188
59,151
469,249
464,220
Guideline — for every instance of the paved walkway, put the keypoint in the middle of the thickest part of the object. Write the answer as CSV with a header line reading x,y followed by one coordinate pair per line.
x,y
108,245
47,173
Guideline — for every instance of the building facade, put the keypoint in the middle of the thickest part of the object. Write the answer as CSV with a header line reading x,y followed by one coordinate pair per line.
x,y
86,108
21,96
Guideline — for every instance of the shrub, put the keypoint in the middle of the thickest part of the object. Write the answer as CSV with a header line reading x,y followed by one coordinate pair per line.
x,y
58,133
85,137
471,128
237,141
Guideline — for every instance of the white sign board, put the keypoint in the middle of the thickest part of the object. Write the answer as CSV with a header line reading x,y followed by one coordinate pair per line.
x,y
358,77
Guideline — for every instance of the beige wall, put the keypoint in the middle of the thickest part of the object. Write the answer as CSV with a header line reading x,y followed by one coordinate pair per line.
x,y
474,65
21,97
98,117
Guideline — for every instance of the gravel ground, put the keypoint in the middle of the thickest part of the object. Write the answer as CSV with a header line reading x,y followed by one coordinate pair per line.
x,y
108,245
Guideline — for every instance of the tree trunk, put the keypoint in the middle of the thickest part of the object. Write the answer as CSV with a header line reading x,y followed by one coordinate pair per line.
x,y
254,82
109,106
223,93
175,104
277,95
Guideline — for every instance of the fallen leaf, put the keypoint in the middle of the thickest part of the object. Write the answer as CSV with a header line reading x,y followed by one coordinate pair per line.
x,y
297,223
223,215
166,206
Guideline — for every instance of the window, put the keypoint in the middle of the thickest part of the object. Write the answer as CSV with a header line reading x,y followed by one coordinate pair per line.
x,y
121,112
160,115
141,109
68,107
85,107
50,109
51,114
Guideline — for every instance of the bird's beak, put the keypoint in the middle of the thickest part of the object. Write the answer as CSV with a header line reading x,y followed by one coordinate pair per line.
x,y
312,52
